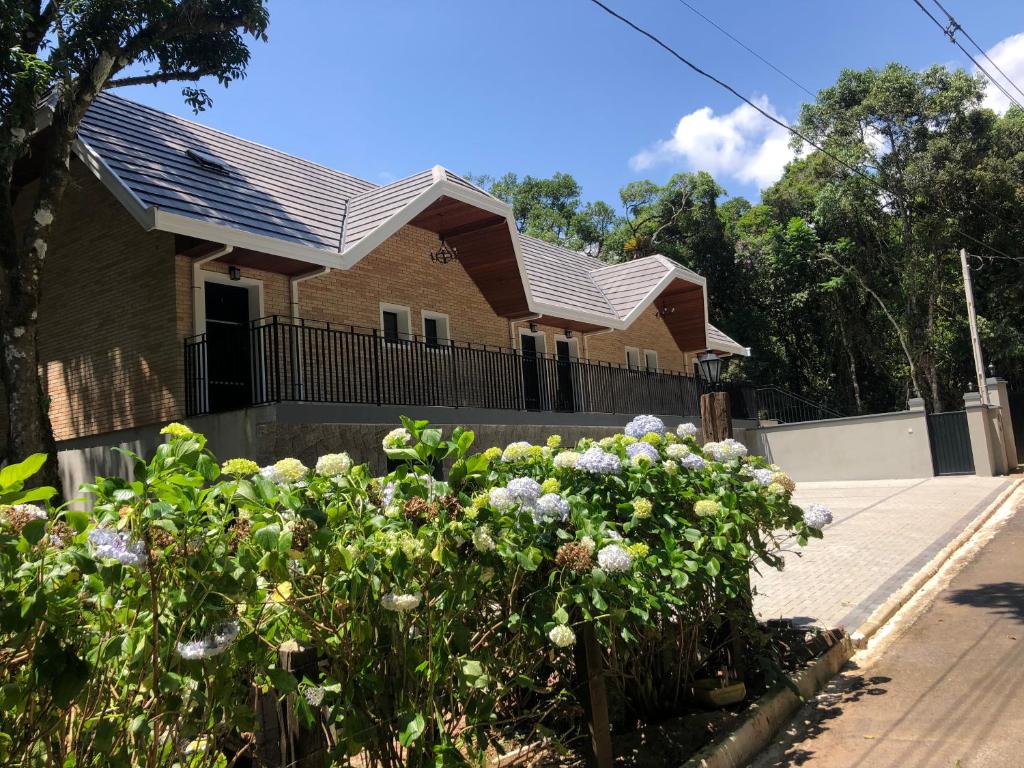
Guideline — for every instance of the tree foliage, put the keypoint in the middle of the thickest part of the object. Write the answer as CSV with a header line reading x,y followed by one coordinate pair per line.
x,y
56,57
848,286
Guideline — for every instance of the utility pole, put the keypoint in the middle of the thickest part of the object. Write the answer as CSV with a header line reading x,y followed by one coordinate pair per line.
x,y
972,316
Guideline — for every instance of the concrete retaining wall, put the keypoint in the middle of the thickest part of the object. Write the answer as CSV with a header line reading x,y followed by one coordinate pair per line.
x,y
307,430
876,447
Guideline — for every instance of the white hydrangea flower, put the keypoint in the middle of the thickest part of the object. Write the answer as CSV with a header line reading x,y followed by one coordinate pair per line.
x,y
686,430
516,451
290,470
588,544
333,464
482,540
641,425
762,476
562,636
400,603
614,559
677,450
525,490
214,644
270,473
817,516
551,507
500,499
566,460
397,438
726,450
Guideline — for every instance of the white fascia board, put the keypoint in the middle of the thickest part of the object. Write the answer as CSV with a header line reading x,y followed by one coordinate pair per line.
x,y
661,285
405,214
581,316
732,349
108,177
186,225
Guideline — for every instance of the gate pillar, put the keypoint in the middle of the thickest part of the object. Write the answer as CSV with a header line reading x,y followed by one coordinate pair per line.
x,y
989,458
997,395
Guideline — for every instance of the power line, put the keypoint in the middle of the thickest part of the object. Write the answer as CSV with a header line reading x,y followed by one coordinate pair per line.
x,y
782,124
955,26
748,49
950,32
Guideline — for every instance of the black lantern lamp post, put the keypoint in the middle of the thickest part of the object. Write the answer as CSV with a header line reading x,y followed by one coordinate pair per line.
x,y
710,369
715,408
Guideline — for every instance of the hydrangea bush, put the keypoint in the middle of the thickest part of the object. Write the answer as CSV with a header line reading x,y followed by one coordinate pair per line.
x,y
137,632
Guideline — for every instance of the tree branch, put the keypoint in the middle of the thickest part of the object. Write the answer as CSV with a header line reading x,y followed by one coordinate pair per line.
x,y
159,77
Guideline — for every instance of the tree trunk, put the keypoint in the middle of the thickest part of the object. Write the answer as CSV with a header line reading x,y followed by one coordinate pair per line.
x,y
22,258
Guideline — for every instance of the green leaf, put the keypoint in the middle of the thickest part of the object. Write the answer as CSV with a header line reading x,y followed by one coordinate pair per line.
x,y
561,616
282,680
412,730
34,531
712,566
13,474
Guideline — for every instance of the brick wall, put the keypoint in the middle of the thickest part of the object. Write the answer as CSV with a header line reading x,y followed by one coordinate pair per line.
x,y
117,303
110,357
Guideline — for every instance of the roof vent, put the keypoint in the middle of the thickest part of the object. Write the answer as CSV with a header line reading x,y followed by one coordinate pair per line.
x,y
207,162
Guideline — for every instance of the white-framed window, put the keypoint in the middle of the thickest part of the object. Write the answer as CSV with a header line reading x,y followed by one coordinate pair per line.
x,y
436,329
651,359
395,323
633,358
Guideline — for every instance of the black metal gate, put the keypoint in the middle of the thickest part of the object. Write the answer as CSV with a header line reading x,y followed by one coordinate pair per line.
x,y
950,441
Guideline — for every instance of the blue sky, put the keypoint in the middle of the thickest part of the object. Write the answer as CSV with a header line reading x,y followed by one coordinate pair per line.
x,y
385,89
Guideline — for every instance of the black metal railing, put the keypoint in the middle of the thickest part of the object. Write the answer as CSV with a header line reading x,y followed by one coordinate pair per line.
x,y
774,404
280,359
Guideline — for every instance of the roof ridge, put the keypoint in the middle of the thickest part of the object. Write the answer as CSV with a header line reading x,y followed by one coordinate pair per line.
x,y
275,150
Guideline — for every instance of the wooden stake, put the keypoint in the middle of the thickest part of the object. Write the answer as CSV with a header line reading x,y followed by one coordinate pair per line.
x,y
301,747
590,662
715,416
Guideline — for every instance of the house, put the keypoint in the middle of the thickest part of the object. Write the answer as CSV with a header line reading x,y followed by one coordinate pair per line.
x,y
282,306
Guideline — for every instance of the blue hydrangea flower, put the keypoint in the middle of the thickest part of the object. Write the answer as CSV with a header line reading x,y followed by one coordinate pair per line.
x,y
641,425
525,490
599,462
117,545
692,461
647,450
551,507
817,516
762,476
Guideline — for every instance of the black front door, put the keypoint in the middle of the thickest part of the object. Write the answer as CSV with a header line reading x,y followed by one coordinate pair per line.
x,y
227,346
531,372
566,397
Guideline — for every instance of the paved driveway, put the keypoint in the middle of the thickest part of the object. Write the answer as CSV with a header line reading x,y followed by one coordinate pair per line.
x,y
884,531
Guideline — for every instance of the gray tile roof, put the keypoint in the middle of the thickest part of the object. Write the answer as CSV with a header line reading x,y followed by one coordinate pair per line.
x,y
562,277
251,188
264,191
720,342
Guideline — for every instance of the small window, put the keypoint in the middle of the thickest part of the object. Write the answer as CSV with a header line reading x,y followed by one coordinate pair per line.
x,y
651,359
633,358
394,322
435,329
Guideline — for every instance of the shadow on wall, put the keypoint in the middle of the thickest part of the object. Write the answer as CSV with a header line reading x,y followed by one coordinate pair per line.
x,y
104,394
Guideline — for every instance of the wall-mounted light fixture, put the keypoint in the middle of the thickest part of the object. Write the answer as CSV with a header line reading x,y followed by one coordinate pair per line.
x,y
664,310
234,272
568,333
533,327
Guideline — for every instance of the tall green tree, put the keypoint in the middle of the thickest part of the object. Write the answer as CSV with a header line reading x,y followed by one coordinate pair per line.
x,y
56,57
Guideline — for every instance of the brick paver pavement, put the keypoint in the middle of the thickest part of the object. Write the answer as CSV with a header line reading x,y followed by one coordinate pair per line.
x,y
884,531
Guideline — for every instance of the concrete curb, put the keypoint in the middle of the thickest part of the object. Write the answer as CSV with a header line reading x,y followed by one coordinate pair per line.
x,y
772,711
888,609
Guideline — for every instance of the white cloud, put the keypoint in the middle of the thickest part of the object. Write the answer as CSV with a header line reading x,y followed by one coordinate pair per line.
x,y
742,144
1008,54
